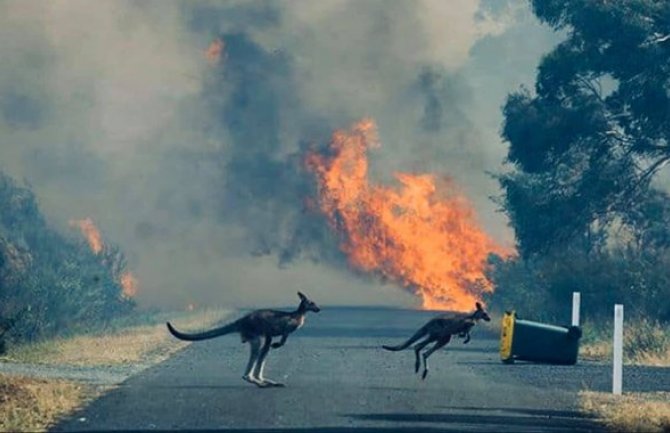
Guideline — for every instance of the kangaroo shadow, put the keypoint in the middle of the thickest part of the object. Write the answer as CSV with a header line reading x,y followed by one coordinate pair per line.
x,y
550,413
412,429
494,419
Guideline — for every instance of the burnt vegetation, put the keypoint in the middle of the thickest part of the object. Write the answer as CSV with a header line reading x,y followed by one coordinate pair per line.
x,y
50,284
587,146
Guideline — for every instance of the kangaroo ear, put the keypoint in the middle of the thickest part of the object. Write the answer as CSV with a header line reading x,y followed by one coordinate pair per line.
x,y
479,306
302,297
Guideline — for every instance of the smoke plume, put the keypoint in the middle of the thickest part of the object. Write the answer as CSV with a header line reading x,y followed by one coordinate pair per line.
x,y
180,128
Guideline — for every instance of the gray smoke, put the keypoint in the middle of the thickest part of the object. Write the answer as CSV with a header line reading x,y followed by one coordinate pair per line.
x,y
110,109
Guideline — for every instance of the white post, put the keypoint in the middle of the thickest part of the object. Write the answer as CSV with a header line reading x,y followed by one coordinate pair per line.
x,y
617,371
576,300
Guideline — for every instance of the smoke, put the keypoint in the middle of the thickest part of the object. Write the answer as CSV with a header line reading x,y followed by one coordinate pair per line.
x,y
112,110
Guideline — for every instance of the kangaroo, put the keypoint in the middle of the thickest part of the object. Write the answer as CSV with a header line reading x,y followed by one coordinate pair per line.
x,y
439,330
252,328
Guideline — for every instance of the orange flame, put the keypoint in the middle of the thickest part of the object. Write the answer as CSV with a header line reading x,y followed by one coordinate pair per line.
x,y
90,232
421,236
129,285
128,282
214,51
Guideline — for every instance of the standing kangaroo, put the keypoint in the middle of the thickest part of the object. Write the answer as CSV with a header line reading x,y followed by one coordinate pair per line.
x,y
254,326
440,329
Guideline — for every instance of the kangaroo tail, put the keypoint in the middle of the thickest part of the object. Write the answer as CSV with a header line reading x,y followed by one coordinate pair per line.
x,y
420,333
217,332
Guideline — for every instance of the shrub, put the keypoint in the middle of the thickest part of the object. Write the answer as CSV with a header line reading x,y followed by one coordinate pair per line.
x,y
49,283
645,338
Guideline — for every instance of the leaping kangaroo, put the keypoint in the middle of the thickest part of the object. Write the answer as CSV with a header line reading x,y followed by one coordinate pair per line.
x,y
254,326
440,329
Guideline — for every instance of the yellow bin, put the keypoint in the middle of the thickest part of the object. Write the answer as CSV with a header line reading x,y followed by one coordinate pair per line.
x,y
537,342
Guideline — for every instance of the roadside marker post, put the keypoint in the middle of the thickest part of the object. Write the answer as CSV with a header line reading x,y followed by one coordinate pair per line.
x,y
576,300
617,364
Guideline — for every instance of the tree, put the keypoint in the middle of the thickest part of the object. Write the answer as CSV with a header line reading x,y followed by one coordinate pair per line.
x,y
587,141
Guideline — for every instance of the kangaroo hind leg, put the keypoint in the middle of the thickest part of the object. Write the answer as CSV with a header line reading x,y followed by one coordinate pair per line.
x,y
254,351
417,349
260,365
438,345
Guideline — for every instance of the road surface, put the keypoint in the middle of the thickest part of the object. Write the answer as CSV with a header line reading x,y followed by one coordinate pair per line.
x,y
339,379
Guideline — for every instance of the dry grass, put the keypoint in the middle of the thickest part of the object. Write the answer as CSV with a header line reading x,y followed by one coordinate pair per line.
x,y
146,343
645,343
596,350
638,412
656,359
28,405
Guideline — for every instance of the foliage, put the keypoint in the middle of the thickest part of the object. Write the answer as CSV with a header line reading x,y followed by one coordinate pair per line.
x,y
50,284
645,341
596,129
584,147
541,287
647,338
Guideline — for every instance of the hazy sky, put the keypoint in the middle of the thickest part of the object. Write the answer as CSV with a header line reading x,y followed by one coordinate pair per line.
x,y
111,110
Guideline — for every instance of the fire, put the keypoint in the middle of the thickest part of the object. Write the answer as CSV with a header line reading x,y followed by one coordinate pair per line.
x,y
90,232
128,282
129,285
214,51
422,235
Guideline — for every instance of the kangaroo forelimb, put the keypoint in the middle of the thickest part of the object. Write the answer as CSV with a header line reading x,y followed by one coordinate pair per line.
x,y
281,342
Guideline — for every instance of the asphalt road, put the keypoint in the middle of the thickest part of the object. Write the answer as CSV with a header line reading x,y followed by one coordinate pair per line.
x,y
339,379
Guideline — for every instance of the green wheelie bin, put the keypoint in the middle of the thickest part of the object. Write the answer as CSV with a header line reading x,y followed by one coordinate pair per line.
x,y
538,342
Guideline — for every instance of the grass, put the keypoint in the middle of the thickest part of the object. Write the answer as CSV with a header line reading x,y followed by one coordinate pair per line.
x,y
646,342
30,404
635,412
144,339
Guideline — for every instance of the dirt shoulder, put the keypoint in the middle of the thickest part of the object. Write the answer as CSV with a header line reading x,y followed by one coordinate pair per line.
x,y
148,342
42,382
633,412
646,357
646,343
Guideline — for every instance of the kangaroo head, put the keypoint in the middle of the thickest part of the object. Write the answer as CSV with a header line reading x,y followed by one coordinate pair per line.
x,y
480,313
306,304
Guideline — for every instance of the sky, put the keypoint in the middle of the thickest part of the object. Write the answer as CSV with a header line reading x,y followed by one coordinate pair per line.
x,y
112,110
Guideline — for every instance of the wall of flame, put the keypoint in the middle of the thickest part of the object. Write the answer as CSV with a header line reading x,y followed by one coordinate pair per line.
x,y
422,234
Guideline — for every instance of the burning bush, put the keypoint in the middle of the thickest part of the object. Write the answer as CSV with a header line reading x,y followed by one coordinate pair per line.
x,y
50,284
422,234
